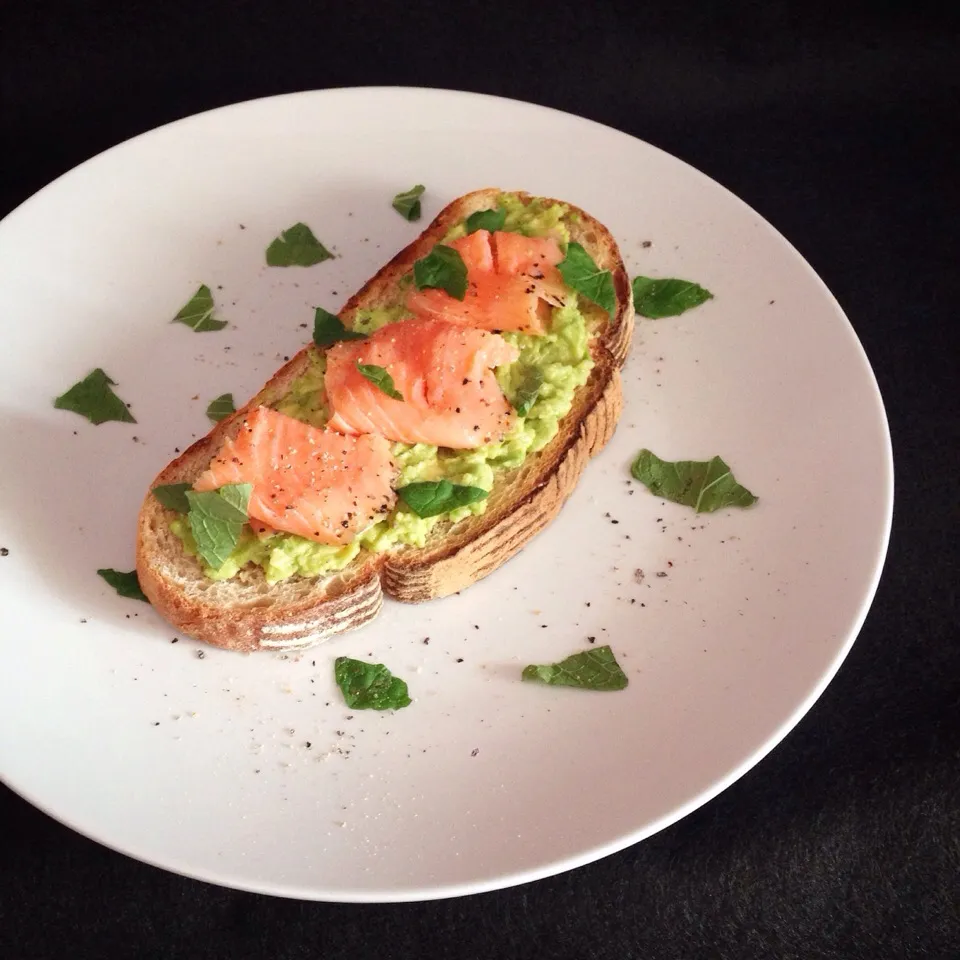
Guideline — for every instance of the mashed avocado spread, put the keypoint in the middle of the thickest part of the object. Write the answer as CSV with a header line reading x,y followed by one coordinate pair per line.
x,y
537,218
562,357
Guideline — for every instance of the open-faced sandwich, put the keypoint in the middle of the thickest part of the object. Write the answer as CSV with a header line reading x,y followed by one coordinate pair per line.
x,y
428,432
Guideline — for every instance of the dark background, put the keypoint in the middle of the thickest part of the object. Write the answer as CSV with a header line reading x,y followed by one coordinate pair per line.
x,y
839,126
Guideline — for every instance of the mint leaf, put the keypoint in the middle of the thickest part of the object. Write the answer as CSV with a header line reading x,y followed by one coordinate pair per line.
x,y
297,247
236,496
705,485
379,377
429,498
126,584
328,330
216,519
666,297
580,272
407,204
221,407
594,669
369,686
492,220
527,392
173,496
92,398
443,269
197,312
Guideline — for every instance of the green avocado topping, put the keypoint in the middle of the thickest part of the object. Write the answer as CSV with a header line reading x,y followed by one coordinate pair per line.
x,y
540,385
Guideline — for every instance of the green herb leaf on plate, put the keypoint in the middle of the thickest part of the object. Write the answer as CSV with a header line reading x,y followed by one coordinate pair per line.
x,y
92,398
594,669
379,377
527,392
430,498
216,520
173,496
221,407
328,330
407,204
667,297
369,686
492,220
126,584
442,269
581,273
197,312
705,485
297,247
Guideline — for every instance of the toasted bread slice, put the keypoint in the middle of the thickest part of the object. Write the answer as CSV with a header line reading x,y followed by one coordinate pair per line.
x,y
246,613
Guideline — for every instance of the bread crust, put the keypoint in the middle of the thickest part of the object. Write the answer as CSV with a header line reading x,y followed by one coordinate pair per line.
x,y
246,613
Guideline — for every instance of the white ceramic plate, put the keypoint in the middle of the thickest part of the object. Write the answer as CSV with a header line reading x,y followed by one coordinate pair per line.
x,y
249,771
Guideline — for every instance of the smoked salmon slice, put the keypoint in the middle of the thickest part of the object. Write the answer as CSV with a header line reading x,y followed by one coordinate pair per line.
x,y
443,371
476,250
534,257
512,282
318,484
